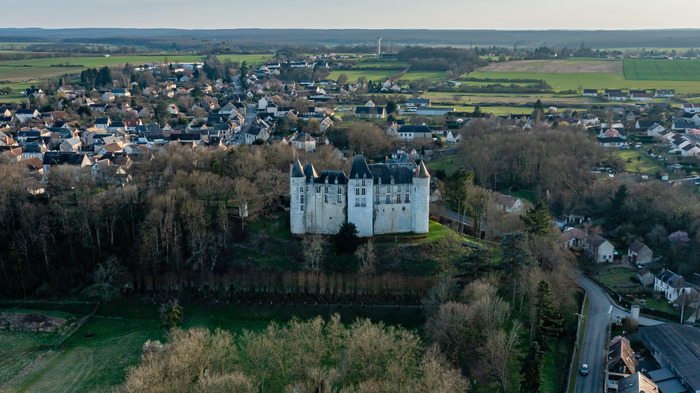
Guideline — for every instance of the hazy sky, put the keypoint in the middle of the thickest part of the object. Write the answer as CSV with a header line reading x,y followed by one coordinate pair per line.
x,y
366,14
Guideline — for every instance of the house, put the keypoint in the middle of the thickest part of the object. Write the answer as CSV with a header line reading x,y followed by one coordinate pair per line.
x,y
572,237
612,142
664,93
690,150
75,161
23,114
370,112
510,204
34,149
304,142
621,361
617,96
103,122
640,96
645,277
654,129
639,254
411,132
590,92
691,108
683,125
677,348
671,284
120,93
453,136
418,102
377,198
637,383
70,145
326,123
599,249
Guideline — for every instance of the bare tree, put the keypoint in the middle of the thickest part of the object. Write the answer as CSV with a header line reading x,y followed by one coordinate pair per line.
x,y
312,248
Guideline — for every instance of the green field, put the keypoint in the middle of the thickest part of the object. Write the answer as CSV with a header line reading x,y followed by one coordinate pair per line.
x,y
662,70
567,81
34,69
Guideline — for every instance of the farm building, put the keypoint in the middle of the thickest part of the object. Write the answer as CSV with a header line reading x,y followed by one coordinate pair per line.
x,y
677,348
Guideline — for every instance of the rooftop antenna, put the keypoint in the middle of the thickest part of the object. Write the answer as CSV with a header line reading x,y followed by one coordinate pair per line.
x,y
379,46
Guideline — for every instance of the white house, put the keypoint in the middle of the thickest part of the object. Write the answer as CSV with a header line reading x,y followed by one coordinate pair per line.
x,y
71,144
691,108
671,284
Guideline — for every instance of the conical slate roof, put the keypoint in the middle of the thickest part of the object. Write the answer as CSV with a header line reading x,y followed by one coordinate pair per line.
x,y
360,169
422,171
296,170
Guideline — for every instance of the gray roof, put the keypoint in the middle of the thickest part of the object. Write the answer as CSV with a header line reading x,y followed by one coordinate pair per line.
x,y
296,170
596,240
400,173
414,129
661,374
637,383
359,169
332,176
679,346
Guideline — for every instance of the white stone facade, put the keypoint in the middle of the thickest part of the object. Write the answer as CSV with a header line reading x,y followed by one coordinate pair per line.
x,y
378,199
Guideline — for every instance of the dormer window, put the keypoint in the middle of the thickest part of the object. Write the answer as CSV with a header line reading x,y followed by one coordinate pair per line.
x,y
392,180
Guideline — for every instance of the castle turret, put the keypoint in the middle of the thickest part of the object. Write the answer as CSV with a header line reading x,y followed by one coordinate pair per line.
x,y
361,196
420,206
297,199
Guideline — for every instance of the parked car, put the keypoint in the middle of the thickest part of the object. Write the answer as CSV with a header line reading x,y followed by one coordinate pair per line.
x,y
584,369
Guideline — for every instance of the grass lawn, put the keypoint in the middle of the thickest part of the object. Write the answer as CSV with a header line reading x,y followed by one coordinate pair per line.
x,y
616,277
637,161
18,349
446,163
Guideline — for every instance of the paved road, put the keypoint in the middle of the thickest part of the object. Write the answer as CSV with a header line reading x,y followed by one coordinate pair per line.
x,y
600,314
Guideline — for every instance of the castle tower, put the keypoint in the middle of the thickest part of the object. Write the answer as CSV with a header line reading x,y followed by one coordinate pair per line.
x,y
297,199
420,205
361,196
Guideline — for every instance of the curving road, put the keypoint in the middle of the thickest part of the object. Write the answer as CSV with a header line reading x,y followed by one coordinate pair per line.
x,y
601,313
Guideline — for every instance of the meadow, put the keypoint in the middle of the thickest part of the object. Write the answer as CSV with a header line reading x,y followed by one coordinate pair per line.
x,y
118,331
638,162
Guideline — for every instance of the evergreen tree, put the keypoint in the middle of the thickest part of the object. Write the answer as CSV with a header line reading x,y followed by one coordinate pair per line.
x,y
617,209
531,373
537,219
477,112
346,241
550,321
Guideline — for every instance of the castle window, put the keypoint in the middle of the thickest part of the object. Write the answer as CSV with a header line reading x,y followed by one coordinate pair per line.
x,y
403,208
339,199
301,189
326,190
340,190
301,207
318,188
364,202
363,191
357,191
388,199
301,199
407,200
376,200
363,183
325,198
398,198
357,202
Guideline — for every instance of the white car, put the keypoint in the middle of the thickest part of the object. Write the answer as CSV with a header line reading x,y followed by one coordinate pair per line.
x,y
584,369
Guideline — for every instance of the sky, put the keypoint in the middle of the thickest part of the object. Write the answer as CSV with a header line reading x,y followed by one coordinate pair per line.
x,y
360,14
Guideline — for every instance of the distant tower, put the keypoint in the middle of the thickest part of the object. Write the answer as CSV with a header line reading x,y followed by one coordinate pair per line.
x,y
379,46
